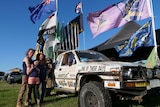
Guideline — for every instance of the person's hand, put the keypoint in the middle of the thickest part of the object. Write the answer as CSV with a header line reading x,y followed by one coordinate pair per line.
x,y
46,79
32,66
49,65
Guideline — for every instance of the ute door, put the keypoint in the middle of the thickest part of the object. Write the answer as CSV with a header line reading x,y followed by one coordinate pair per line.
x,y
67,72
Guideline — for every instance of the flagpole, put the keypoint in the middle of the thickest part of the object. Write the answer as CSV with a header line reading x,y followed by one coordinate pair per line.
x,y
79,10
84,41
153,28
153,24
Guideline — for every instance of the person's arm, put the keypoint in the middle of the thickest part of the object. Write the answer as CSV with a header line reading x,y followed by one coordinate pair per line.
x,y
37,69
49,67
28,65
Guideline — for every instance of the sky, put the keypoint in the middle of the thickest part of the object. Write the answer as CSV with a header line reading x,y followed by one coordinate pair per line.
x,y
18,33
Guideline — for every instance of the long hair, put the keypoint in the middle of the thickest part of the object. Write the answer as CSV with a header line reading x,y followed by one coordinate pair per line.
x,y
38,56
30,49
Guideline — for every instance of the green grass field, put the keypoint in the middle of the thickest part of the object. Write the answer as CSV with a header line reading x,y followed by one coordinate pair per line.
x,y
9,93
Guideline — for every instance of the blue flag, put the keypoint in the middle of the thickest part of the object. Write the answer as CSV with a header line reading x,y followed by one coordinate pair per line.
x,y
141,38
31,9
47,7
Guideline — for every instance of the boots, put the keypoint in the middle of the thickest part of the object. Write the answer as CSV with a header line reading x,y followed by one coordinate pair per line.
x,y
29,103
38,103
19,104
25,103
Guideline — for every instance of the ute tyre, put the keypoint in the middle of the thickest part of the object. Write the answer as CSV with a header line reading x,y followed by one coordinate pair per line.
x,y
93,94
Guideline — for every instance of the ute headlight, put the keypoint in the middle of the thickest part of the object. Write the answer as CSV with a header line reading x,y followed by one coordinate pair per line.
x,y
127,74
157,73
149,73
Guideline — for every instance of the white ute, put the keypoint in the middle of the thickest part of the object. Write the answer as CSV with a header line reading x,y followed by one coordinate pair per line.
x,y
98,80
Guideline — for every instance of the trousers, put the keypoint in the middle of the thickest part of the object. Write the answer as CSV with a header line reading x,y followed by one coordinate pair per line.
x,y
23,89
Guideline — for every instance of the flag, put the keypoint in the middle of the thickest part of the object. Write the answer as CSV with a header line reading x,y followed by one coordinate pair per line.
x,y
48,48
62,35
72,37
73,28
117,15
52,44
40,39
152,59
69,33
141,38
69,36
47,27
31,9
58,33
78,8
37,50
76,32
46,7
79,21
64,38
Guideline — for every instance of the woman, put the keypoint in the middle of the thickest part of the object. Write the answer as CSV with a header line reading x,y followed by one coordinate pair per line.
x,y
50,76
33,83
43,74
27,61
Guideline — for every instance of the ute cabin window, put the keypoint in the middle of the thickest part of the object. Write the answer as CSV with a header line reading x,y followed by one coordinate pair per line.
x,y
68,59
65,58
71,59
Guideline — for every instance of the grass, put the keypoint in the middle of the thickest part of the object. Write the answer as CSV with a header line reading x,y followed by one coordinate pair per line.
x,y
9,93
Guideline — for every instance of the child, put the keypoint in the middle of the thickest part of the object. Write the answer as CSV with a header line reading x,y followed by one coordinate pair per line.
x,y
33,82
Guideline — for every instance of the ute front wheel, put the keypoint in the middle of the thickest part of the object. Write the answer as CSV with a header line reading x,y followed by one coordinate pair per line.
x,y
93,94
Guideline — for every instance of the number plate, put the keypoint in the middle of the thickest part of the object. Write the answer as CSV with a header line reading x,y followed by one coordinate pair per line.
x,y
154,83
141,84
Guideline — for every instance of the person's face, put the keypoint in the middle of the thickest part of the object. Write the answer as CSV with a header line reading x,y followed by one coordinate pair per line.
x,y
30,53
36,63
48,61
41,57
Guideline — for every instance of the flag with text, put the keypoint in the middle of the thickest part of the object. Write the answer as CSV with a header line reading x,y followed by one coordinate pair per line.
x,y
117,15
143,37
